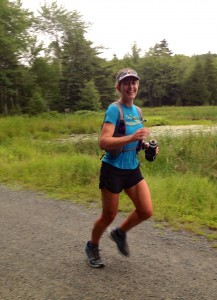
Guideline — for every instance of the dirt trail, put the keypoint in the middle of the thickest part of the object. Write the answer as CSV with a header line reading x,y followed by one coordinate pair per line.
x,y
42,256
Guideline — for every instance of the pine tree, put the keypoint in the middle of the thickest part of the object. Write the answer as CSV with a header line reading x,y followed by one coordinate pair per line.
x,y
89,97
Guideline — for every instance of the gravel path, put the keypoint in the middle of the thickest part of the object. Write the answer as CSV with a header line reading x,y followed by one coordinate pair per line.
x,y
42,256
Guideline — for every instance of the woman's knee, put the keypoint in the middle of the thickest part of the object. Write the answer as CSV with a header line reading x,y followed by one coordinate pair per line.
x,y
108,217
145,214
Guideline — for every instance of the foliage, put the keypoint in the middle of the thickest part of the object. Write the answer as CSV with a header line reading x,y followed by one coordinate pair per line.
x,y
68,64
46,78
14,40
36,104
196,90
89,97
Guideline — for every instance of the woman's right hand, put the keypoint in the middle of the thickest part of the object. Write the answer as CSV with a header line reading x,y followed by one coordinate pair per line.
x,y
141,134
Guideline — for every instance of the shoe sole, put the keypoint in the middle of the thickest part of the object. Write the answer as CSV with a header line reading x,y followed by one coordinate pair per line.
x,y
96,266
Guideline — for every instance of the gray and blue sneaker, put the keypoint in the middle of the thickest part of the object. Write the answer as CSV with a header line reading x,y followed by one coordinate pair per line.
x,y
120,238
93,256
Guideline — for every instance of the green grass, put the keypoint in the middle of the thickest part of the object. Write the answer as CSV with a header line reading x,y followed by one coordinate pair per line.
x,y
204,115
182,179
52,125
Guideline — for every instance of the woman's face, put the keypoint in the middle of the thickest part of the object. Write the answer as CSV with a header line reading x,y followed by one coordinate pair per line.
x,y
128,88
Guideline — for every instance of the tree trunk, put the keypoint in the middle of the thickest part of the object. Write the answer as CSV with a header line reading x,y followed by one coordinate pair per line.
x,y
4,101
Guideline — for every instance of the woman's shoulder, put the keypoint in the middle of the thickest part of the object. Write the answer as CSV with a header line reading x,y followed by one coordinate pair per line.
x,y
112,114
113,107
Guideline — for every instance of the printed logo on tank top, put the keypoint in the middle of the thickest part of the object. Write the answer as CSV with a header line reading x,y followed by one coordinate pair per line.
x,y
131,120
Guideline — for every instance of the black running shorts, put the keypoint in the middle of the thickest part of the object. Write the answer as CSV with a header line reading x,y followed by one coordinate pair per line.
x,y
115,179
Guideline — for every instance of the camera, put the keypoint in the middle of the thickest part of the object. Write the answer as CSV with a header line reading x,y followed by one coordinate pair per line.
x,y
150,151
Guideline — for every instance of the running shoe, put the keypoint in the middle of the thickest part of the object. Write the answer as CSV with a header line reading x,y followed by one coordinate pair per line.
x,y
120,238
93,256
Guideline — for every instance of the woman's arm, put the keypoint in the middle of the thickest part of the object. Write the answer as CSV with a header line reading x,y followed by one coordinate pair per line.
x,y
108,142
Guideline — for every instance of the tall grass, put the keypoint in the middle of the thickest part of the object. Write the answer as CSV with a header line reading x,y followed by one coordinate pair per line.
x,y
51,125
182,179
182,115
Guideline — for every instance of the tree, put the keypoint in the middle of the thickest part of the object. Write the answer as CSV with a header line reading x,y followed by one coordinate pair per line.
x,y
46,77
211,78
89,97
36,104
75,56
104,79
160,49
14,40
134,56
53,22
159,77
195,89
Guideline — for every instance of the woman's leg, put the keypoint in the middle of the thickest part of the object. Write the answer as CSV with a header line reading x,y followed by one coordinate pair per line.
x,y
109,212
141,197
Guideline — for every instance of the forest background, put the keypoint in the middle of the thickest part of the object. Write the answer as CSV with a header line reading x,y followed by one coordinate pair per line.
x,y
65,73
